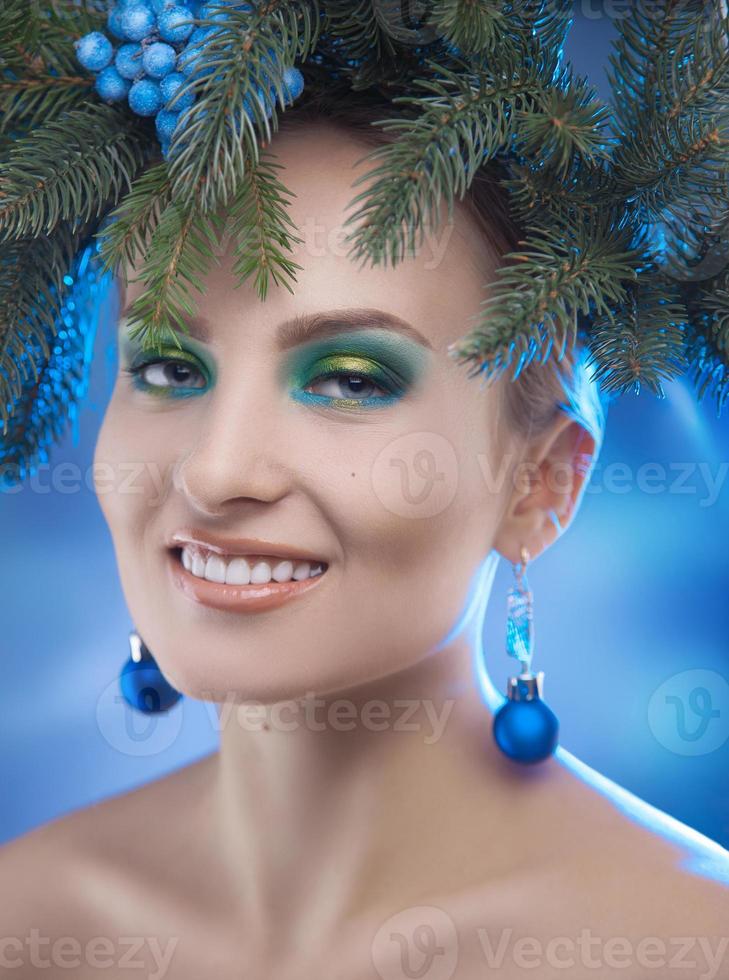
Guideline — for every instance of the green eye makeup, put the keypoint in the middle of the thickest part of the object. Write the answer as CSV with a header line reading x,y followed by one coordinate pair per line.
x,y
354,370
172,372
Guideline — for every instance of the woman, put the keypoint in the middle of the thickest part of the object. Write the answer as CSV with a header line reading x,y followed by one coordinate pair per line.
x,y
358,820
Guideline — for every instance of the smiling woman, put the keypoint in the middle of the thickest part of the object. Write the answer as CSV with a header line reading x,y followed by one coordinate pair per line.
x,y
313,546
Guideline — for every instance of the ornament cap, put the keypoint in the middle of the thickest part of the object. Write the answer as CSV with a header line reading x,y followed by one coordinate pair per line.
x,y
526,686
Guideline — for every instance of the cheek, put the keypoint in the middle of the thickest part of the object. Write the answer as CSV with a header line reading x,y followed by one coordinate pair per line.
x,y
416,522
132,461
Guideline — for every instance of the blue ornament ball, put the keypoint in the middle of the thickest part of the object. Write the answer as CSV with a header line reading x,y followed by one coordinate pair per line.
x,y
128,61
293,82
165,122
94,51
111,86
159,59
526,731
145,97
170,86
138,21
145,687
172,26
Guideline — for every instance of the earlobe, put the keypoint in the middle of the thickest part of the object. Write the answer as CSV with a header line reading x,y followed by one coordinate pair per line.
x,y
546,492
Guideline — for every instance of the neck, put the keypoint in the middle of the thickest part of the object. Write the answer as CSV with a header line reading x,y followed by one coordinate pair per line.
x,y
322,803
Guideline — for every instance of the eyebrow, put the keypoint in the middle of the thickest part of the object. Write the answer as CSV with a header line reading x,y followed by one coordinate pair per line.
x,y
315,326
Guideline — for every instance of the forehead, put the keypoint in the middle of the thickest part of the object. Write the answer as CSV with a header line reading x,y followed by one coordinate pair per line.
x,y
439,288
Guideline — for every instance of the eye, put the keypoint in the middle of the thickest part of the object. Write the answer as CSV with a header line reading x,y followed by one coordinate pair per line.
x,y
347,386
168,373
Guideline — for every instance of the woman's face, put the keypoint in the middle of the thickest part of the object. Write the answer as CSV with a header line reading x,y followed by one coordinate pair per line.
x,y
314,435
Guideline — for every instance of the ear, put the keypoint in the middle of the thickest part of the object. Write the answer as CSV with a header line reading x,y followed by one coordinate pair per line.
x,y
547,487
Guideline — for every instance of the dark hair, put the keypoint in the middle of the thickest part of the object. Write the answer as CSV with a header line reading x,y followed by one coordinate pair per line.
x,y
533,401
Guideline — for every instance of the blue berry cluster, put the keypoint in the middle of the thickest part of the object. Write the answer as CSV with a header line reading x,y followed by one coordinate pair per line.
x,y
161,49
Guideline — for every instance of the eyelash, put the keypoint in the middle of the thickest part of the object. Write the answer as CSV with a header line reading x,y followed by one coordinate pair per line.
x,y
390,393
164,391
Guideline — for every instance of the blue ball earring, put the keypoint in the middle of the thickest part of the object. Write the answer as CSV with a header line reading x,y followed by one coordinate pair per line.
x,y
143,684
524,727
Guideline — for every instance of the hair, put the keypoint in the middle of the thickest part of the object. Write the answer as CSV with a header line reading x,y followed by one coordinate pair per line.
x,y
532,401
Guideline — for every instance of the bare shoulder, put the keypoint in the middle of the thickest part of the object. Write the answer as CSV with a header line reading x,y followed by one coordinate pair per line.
x,y
650,867
64,871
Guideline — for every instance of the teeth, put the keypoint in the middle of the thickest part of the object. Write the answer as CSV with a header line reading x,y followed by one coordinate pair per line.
x,y
237,570
215,569
261,573
283,571
238,573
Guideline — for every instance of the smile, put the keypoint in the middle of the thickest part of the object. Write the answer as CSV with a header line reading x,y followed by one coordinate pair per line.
x,y
242,583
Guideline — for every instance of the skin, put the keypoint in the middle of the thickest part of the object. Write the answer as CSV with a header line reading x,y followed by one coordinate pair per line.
x,y
284,853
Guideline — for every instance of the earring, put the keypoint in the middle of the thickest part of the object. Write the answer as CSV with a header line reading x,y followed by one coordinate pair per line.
x,y
143,684
524,727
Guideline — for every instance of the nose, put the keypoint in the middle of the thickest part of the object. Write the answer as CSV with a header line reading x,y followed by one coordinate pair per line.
x,y
238,455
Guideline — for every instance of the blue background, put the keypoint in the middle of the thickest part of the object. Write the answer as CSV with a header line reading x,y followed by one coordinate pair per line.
x,y
634,595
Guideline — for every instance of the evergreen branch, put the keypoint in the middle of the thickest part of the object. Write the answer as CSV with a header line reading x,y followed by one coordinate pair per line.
x,y
468,115
642,53
134,220
642,343
67,168
474,29
669,162
358,29
180,254
257,222
539,294
216,137
36,40
568,123
38,99
532,190
489,26
707,342
696,76
19,26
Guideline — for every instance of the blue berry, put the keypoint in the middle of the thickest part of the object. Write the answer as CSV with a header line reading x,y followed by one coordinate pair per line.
x,y
111,86
266,104
159,59
293,82
145,97
192,60
171,85
128,61
165,123
138,21
172,26
94,51
113,22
